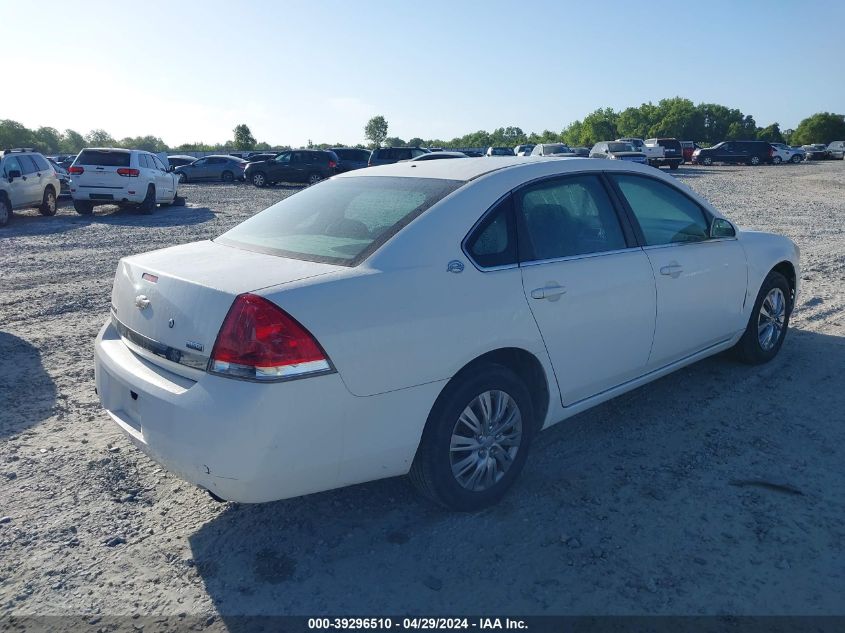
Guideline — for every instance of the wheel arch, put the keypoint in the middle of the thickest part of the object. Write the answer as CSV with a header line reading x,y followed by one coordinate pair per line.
x,y
525,365
786,269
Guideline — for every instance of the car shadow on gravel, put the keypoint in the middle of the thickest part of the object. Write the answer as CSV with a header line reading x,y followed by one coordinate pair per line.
x,y
31,223
27,393
711,490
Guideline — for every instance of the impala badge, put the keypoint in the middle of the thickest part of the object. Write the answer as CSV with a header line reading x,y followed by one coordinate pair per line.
x,y
142,302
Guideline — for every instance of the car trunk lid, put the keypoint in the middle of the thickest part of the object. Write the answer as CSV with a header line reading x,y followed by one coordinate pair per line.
x,y
169,304
100,167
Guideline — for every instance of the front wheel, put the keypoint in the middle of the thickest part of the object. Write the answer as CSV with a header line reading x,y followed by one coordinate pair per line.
x,y
259,179
5,211
768,323
476,439
707,161
796,159
754,161
777,160
183,177
674,165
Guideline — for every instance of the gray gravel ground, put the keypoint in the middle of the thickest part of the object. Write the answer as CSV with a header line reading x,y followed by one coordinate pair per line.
x,y
626,509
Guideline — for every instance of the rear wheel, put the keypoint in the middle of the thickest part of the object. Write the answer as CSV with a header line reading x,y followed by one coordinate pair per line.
x,y
149,203
48,202
5,211
768,323
674,165
227,176
313,179
754,161
183,177
476,439
83,207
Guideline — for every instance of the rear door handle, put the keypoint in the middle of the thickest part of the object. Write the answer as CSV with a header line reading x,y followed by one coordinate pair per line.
x,y
550,291
673,270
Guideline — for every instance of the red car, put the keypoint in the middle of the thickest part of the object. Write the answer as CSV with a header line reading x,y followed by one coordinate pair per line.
x,y
689,147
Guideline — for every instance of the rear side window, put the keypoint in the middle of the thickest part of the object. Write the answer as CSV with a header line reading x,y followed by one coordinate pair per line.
x,y
143,161
493,242
665,215
40,162
565,217
339,221
28,165
102,158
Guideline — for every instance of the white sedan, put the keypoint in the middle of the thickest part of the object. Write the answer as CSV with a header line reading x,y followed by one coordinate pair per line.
x,y
427,318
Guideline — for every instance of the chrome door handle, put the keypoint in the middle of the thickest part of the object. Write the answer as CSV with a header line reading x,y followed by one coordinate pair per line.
x,y
551,291
673,269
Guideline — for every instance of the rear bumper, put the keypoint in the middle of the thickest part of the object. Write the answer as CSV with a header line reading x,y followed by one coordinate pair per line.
x,y
98,195
252,442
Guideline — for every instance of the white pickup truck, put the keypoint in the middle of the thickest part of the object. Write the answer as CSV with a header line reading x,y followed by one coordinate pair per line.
x,y
654,154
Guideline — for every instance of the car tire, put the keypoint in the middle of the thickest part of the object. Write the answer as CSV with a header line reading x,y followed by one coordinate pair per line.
x,y
183,177
5,210
83,207
478,475
148,205
259,179
178,201
706,161
227,176
777,160
768,323
754,161
313,179
48,202
796,159
674,166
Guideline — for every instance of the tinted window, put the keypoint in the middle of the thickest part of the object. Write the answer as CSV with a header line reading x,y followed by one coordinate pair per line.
x,y
28,165
665,215
344,154
555,149
493,243
339,221
568,216
11,164
158,163
620,147
41,162
670,144
143,162
103,158
283,158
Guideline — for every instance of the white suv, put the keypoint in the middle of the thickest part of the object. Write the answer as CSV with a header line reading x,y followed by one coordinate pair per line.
x,y
125,177
26,180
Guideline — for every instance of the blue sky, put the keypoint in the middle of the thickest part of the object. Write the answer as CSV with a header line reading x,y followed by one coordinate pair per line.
x,y
293,71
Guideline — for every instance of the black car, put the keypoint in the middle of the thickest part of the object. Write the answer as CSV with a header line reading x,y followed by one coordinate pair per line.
x,y
673,151
736,152
299,165
254,158
389,155
816,151
349,158
180,159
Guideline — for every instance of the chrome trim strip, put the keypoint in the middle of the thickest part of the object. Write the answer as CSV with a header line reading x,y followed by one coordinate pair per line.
x,y
709,240
182,357
569,258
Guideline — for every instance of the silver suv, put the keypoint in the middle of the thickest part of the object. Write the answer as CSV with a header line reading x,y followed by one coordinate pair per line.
x,y
26,180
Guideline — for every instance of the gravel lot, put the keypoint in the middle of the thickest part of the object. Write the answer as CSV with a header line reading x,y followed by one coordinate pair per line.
x,y
632,508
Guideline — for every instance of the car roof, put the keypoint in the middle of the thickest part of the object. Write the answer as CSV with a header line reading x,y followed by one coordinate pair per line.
x,y
110,149
471,168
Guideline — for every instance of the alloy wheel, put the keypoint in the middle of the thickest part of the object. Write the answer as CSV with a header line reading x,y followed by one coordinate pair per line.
x,y
485,440
771,319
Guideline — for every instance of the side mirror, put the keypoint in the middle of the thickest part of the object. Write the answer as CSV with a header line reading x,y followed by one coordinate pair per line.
x,y
722,228
14,174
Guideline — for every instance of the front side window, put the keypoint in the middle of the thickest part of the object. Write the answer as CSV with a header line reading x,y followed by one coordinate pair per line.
x,y
28,165
11,164
283,158
339,221
493,242
665,215
566,217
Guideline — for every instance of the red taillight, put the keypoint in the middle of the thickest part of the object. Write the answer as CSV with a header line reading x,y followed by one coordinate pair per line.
x,y
260,341
128,171
76,170
332,164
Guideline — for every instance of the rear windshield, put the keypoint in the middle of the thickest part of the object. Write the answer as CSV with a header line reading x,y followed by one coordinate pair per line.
x,y
103,158
340,221
620,147
670,143
556,149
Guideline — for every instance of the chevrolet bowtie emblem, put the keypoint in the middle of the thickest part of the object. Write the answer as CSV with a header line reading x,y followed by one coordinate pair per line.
x,y
142,302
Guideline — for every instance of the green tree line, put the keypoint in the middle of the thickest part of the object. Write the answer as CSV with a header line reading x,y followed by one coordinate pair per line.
x,y
676,117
